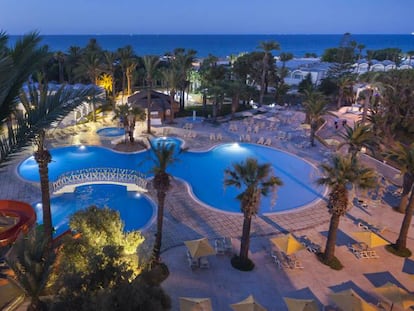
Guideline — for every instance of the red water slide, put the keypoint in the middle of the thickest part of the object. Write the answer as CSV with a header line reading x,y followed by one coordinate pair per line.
x,y
26,217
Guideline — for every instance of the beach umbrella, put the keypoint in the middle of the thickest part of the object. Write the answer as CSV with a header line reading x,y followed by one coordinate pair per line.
x,y
396,295
195,304
248,304
287,244
199,248
348,300
370,238
294,304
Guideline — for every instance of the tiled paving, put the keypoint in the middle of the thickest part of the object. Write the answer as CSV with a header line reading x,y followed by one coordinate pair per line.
x,y
185,219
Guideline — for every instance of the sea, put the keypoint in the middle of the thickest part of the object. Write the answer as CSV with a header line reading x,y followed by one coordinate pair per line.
x,y
224,45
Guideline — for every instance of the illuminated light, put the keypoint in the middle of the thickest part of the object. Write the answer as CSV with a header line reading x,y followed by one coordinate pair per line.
x,y
82,147
137,195
236,147
39,205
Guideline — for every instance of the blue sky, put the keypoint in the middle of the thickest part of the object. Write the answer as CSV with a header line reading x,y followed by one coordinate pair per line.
x,y
207,17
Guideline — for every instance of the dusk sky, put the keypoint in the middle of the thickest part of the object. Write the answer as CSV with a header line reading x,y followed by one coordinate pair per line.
x,y
207,17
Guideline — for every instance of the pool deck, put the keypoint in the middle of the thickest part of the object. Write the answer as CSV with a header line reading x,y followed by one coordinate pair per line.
x,y
187,219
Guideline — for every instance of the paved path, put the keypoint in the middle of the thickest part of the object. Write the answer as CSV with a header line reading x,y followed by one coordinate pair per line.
x,y
185,219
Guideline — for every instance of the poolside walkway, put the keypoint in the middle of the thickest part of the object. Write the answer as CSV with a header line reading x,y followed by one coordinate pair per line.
x,y
186,219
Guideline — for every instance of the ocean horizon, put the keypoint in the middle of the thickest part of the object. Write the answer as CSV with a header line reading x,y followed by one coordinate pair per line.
x,y
224,45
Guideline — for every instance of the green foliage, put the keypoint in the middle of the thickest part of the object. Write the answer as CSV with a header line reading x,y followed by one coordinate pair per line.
x,y
99,256
306,84
31,263
340,55
393,54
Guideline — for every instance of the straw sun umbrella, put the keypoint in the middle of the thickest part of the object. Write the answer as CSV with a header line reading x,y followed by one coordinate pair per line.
x,y
348,300
248,304
287,244
199,248
396,295
370,238
294,304
195,304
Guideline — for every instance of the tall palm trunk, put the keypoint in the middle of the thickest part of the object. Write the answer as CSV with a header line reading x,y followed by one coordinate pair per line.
x,y
313,127
330,242
245,239
149,109
161,194
263,78
406,189
401,243
43,158
172,96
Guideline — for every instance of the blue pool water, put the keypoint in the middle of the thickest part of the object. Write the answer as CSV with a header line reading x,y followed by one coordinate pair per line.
x,y
135,209
204,171
111,131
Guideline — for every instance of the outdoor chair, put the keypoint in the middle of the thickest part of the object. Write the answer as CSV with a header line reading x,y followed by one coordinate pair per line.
x,y
219,136
260,141
219,247
268,142
192,262
212,136
204,264
228,246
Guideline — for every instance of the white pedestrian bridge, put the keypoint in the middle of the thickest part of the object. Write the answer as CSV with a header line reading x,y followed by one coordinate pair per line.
x,y
132,179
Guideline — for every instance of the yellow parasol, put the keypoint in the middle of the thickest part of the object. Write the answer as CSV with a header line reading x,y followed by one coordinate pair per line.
x,y
370,238
396,295
301,304
287,244
199,248
248,304
195,304
348,300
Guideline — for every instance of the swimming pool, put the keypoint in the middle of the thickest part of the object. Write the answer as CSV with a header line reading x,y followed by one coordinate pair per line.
x,y
204,171
135,209
111,131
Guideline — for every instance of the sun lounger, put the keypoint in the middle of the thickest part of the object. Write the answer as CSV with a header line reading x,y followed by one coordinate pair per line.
x,y
204,264
260,141
219,136
219,247
268,142
212,136
228,245
192,262
248,138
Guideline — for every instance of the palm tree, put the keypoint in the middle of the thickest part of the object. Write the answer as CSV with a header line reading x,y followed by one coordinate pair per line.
x,y
344,83
90,65
267,47
171,77
31,265
109,67
404,157
338,175
43,158
164,156
126,56
150,65
401,243
16,66
356,137
255,180
59,56
315,107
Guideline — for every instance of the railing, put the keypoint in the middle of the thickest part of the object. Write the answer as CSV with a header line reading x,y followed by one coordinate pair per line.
x,y
101,174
